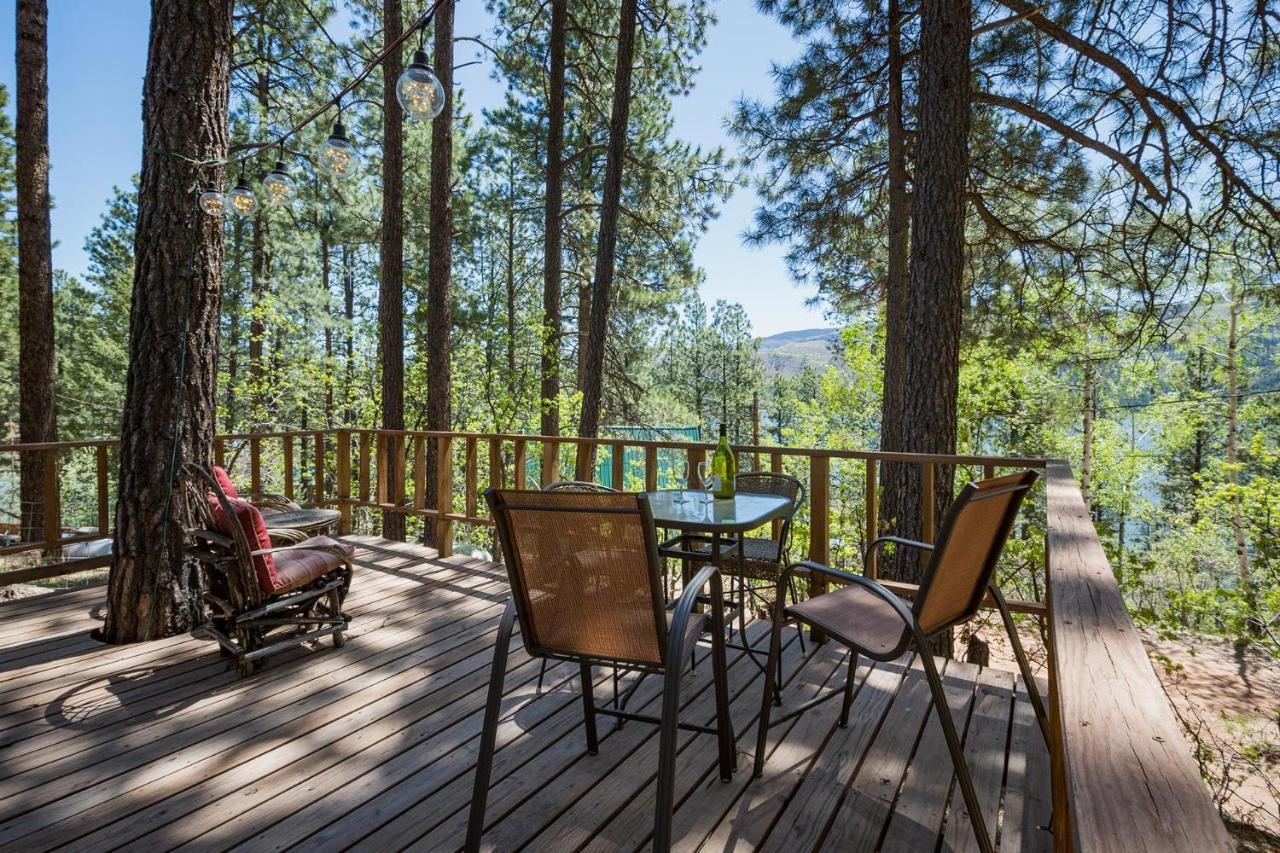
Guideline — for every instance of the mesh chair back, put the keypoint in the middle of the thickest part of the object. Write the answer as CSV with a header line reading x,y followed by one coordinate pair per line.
x,y
584,571
782,485
973,534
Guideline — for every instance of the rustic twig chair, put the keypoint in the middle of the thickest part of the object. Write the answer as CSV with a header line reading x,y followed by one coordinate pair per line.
x,y
584,572
263,599
870,620
266,502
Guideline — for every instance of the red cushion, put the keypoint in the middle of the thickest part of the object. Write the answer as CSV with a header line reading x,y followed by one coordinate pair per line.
x,y
255,532
300,564
224,480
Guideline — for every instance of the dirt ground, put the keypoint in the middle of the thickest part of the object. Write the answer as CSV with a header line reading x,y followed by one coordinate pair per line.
x,y
1228,701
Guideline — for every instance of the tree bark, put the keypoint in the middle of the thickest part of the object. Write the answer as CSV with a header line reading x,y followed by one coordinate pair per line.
x,y
169,398
1086,453
439,285
897,285
552,226
935,302
1233,473
391,283
606,250
37,406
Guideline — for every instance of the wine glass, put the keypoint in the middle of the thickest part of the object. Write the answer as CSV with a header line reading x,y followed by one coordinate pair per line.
x,y
704,476
681,472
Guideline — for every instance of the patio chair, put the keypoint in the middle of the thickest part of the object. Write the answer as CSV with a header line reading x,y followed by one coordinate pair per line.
x,y
263,599
584,574
870,620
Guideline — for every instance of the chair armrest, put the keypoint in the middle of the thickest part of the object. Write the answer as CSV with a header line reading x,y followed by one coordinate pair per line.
x,y
709,574
891,540
288,535
213,537
899,606
270,500
323,549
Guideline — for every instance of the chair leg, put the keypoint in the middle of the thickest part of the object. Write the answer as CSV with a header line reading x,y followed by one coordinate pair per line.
x,y
667,736
720,675
589,708
795,596
1019,653
770,687
489,732
542,671
847,702
954,747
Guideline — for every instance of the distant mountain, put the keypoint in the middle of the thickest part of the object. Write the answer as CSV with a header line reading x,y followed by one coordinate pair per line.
x,y
788,352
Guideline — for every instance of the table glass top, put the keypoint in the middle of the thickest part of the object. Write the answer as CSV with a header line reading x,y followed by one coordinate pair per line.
x,y
742,512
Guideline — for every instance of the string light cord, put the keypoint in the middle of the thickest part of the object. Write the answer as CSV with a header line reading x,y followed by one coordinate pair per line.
x,y
249,150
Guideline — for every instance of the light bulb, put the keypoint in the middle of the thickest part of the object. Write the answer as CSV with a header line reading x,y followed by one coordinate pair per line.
x,y
212,201
338,155
279,186
243,201
418,90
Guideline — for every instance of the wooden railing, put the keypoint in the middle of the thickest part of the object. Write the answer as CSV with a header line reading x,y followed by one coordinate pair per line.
x,y
1123,778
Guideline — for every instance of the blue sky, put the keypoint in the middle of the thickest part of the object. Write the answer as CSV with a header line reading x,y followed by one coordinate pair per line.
x,y
97,57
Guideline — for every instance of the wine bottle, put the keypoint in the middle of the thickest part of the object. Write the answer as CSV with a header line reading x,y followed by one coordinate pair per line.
x,y
724,468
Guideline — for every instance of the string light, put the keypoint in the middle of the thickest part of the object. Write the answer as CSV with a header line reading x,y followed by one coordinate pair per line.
x,y
243,201
212,201
338,156
418,89
279,187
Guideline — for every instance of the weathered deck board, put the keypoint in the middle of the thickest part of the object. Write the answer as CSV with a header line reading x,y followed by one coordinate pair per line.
x,y
371,747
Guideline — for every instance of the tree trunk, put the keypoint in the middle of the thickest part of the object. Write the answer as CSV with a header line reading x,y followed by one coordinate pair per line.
x,y
552,254
257,328
1233,473
935,302
610,203
1086,453
326,272
169,398
37,409
439,260
897,280
391,283
349,347
511,275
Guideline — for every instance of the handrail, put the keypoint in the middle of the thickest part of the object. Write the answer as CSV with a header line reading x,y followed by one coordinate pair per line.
x,y
1123,776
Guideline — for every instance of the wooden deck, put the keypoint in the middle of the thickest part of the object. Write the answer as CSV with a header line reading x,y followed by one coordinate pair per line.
x,y
371,746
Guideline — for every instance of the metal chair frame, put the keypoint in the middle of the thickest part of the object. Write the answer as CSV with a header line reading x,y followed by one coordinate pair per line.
x,y
913,637
674,652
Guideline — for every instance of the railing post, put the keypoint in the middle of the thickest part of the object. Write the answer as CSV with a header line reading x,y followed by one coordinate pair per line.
x,y
444,495
651,469
219,453
255,465
104,507
287,448
344,481
521,463
551,461
775,465
364,466
693,456
382,464
319,457
469,475
819,525
873,522
420,472
495,463
52,506
618,469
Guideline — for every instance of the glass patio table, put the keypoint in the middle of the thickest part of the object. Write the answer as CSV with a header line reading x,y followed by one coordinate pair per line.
x,y
721,522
